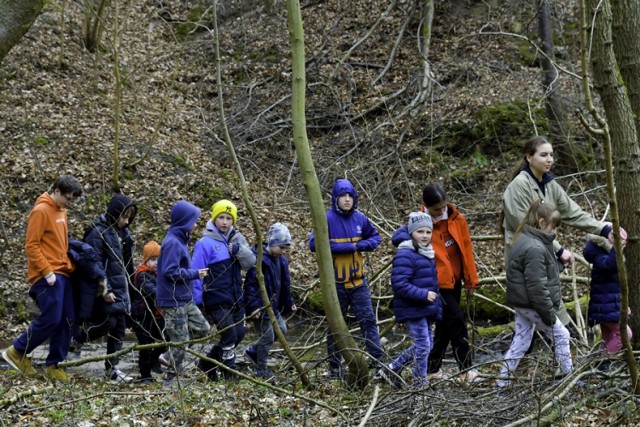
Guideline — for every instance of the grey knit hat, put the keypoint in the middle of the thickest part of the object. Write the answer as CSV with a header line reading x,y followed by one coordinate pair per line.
x,y
419,220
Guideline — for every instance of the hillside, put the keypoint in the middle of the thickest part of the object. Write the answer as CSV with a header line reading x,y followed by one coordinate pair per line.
x,y
58,115
58,102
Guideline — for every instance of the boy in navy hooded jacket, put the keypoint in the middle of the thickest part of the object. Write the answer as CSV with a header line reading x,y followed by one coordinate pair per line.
x,y
350,234
174,291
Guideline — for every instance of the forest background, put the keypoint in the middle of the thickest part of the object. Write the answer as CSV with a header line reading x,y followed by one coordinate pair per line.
x,y
132,88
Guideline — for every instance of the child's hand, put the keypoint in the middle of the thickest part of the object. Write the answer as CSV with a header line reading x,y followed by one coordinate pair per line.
x,y
203,272
110,298
431,296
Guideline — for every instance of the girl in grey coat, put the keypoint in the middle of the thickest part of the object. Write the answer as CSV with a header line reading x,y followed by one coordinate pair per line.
x,y
533,289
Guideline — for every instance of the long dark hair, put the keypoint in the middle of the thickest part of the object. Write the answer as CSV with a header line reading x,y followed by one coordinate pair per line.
x,y
433,193
529,149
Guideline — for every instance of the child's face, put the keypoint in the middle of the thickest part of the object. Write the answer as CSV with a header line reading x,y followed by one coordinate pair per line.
x,y
345,202
223,222
278,250
422,236
123,221
152,262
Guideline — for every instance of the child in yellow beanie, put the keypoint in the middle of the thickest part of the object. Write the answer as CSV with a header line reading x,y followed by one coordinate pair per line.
x,y
225,252
148,322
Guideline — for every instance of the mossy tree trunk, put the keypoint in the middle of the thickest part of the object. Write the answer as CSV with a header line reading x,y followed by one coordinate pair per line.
x,y
626,45
16,17
358,369
620,145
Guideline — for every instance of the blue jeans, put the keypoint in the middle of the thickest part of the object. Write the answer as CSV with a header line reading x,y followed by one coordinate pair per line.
x,y
55,321
418,353
266,338
359,299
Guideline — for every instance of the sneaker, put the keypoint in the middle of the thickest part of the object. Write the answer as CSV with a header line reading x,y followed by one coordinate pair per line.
x,y
336,372
145,380
390,376
18,361
470,376
163,359
53,373
266,374
118,375
251,356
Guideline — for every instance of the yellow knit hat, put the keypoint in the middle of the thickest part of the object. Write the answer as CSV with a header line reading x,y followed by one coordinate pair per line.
x,y
224,206
150,250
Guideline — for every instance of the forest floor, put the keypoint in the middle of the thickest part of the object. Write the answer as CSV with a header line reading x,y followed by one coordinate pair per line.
x,y
57,115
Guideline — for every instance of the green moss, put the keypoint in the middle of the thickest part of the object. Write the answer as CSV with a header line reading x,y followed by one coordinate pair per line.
x,y
41,141
206,195
487,310
528,54
315,302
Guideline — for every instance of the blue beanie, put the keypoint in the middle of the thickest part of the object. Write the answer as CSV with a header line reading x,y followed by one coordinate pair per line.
x,y
279,235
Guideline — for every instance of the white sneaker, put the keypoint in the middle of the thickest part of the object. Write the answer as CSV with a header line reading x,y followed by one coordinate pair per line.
x,y
118,375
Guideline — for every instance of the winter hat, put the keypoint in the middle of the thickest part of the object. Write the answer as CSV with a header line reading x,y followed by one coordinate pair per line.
x,y
151,250
224,206
279,235
419,220
623,232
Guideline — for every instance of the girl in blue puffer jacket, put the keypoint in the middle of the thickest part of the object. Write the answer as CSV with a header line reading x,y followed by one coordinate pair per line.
x,y
416,300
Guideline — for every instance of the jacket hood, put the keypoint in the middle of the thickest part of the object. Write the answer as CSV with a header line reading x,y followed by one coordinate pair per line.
x,y
600,241
117,205
546,238
46,199
184,216
343,186
212,231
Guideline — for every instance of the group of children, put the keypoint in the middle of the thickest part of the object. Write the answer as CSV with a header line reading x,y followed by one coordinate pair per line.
x,y
172,296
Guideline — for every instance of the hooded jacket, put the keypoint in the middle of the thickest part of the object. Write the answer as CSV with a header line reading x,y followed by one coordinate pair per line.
x,y
604,299
277,281
175,274
533,276
114,252
223,285
84,280
459,230
350,234
525,188
413,276
47,240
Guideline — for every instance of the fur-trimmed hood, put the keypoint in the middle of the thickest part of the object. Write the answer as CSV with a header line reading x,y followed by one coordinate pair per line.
x,y
602,242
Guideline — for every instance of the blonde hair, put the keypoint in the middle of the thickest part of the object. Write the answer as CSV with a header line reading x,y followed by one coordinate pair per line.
x,y
539,209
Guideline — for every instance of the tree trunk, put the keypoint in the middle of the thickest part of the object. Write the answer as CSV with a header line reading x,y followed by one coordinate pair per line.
x,y
626,25
624,138
358,369
552,99
16,17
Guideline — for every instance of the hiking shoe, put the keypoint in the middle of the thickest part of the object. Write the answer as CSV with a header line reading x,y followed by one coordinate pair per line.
x,y
55,374
163,359
470,376
118,375
251,355
266,374
18,361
